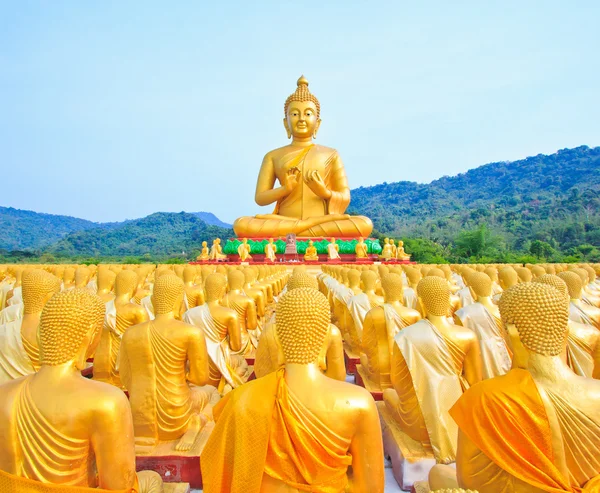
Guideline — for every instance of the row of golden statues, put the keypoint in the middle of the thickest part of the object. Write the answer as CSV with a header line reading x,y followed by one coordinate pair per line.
x,y
491,368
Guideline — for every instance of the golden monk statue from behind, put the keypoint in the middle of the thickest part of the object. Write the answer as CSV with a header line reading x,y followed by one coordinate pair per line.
x,y
313,191
537,428
58,428
296,429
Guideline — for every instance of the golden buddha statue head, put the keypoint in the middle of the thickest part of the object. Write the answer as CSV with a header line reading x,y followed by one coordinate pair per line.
x,y
189,274
481,285
235,279
508,278
302,112
434,293
524,274
126,283
302,280
204,244
215,286
69,275
555,281
70,328
537,271
106,280
535,316
82,276
38,287
436,272
302,317
386,241
392,287
582,273
369,280
574,284
591,272
413,276
492,273
353,278
167,296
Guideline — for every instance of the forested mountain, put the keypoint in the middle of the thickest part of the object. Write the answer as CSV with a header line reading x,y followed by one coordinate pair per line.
x,y
210,219
550,198
20,230
161,234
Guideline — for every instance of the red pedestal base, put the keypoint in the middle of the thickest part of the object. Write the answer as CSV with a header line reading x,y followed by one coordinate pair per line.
x,y
351,362
358,380
173,468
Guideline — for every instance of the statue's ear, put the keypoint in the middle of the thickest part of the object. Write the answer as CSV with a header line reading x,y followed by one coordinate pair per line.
x,y
316,128
287,128
520,352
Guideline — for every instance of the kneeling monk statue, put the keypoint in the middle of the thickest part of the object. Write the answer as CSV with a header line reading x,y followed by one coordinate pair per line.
x,y
60,429
313,194
296,429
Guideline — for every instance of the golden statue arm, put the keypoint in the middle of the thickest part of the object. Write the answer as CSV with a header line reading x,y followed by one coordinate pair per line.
x,y
596,356
265,193
141,316
198,359
340,191
114,449
367,443
336,366
472,367
235,334
251,316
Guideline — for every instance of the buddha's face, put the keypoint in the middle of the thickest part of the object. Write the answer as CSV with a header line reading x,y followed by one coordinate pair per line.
x,y
301,120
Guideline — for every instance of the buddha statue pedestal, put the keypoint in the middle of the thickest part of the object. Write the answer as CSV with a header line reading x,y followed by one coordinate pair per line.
x,y
176,466
411,461
351,359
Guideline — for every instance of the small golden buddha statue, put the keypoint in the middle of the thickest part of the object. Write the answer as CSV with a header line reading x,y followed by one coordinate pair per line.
x,y
121,314
68,278
270,251
194,293
333,250
380,326
258,295
386,252
313,194
164,366
60,435
82,277
216,251
305,429
204,253
400,253
539,398
436,354
222,335
360,249
19,350
483,318
244,251
579,311
245,308
106,284
311,254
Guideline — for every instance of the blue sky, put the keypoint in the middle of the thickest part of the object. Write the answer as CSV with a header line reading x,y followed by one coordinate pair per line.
x,y
112,110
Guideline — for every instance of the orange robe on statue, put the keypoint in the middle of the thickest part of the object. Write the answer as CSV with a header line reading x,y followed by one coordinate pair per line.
x,y
261,428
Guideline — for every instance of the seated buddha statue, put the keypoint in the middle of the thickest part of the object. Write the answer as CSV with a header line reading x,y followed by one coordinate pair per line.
x,y
19,349
579,311
245,308
54,431
413,276
400,253
106,284
270,251
588,296
296,429
194,293
483,318
492,273
430,355
164,366
311,254
204,253
244,251
269,355
333,250
582,352
216,251
380,326
361,249
222,334
386,252
358,306
313,194
121,313
258,295
537,428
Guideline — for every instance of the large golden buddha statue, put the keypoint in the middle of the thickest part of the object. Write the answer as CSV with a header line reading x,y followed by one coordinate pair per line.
x,y
54,430
537,428
164,366
296,429
313,194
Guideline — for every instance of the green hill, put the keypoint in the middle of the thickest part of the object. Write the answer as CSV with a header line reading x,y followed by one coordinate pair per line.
x,y
554,199
159,235
21,230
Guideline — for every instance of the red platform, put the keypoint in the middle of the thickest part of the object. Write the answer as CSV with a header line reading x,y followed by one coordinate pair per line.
x,y
173,468
350,361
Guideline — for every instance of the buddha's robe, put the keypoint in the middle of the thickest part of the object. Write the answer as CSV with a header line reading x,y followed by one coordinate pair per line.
x,y
583,346
510,442
358,307
217,345
580,315
428,380
466,298
14,358
162,401
410,298
107,354
10,483
249,340
11,313
311,254
496,289
146,303
5,287
269,354
92,286
262,429
496,358
17,297
458,280
332,252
